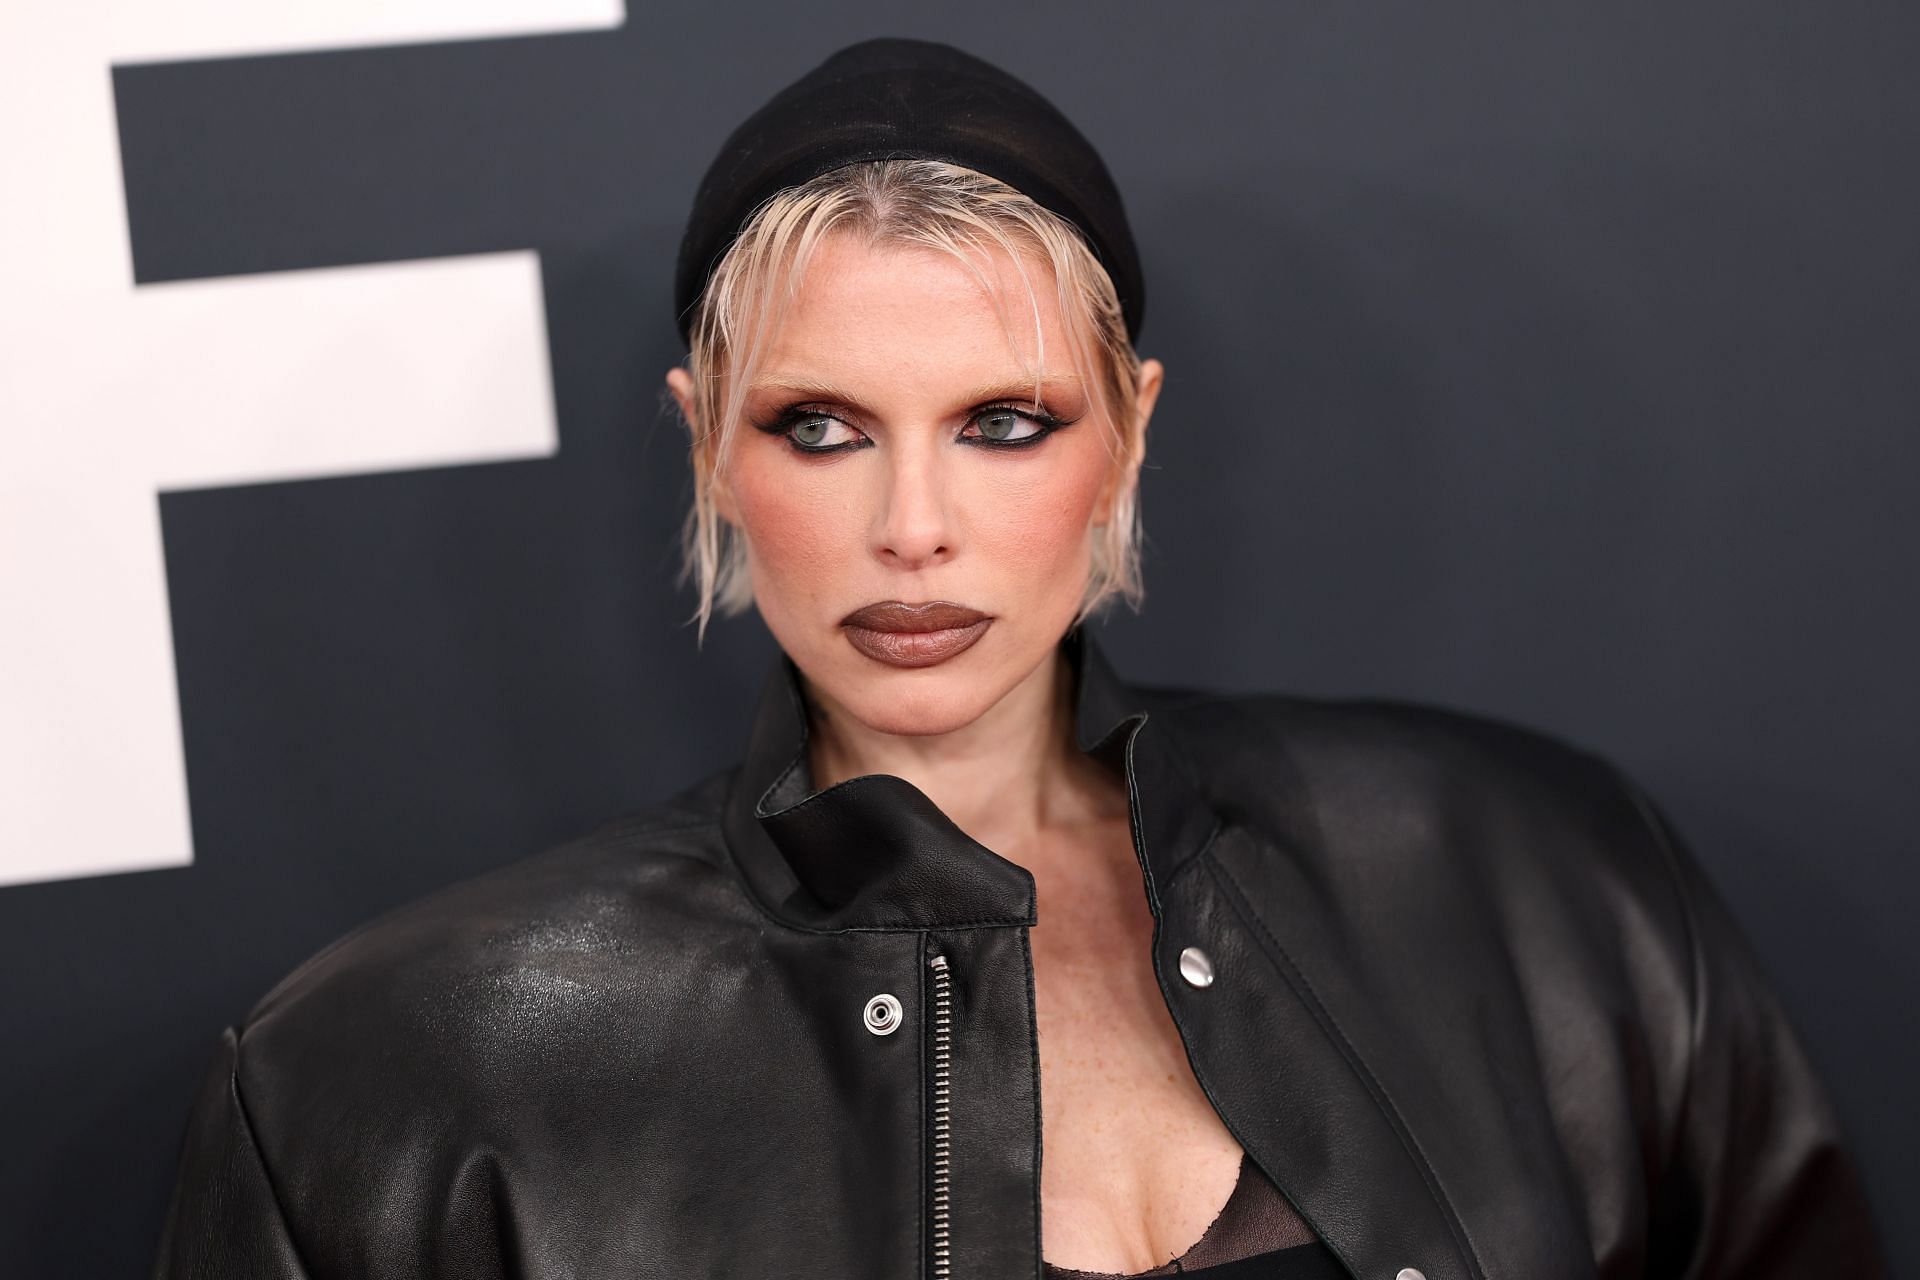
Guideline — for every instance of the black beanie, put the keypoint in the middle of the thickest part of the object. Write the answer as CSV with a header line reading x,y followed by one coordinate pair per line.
x,y
897,98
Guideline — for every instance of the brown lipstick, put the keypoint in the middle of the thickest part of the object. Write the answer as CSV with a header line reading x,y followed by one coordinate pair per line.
x,y
908,635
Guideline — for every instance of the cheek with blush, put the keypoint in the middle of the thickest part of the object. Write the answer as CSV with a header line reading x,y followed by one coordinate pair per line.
x,y
800,536
1041,530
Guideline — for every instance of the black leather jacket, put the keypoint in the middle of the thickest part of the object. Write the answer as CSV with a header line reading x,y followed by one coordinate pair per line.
x,y
1473,1008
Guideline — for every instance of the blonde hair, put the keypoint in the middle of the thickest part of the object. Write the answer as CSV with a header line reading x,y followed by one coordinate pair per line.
x,y
932,204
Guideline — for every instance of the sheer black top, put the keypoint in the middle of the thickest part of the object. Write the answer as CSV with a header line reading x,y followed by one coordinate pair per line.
x,y
1257,1233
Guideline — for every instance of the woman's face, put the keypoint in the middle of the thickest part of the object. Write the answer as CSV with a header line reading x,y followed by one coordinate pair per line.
x,y
890,454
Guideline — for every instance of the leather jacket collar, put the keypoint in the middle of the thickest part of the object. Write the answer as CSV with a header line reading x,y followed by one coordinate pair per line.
x,y
874,852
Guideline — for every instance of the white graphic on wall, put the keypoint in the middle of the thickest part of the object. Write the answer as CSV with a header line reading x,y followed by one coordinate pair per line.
x,y
110,393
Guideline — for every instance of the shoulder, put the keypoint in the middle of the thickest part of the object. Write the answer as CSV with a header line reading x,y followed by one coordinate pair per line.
x,y
1519,854
1428,792
1427,748
473,978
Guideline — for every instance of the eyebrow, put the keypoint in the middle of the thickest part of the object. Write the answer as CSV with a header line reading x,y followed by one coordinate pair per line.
x,y
1005,389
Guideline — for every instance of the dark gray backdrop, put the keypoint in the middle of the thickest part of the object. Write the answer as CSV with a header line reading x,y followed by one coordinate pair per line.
x,y
1545,361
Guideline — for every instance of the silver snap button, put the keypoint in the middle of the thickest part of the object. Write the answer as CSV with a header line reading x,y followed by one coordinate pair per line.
x,y
1198,970
1409,1273
882,1015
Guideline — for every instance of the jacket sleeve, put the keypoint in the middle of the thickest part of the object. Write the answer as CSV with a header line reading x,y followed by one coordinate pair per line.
x,y
1758,1183
224,1221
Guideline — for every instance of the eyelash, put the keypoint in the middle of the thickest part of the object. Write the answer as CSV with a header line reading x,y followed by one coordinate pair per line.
x,y
788,418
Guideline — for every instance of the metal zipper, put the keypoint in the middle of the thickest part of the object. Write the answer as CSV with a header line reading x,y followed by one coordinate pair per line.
x,y
942,1146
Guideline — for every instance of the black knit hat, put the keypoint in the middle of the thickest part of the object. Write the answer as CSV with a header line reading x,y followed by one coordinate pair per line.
x,y
896,98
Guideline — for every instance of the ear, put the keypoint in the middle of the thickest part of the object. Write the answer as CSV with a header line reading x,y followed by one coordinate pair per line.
x,y
680,383
1152,374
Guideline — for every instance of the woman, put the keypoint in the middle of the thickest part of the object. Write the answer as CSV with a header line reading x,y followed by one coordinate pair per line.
x,y
1276,986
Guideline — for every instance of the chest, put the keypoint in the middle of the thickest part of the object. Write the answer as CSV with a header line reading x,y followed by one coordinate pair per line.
x,y
1136,1161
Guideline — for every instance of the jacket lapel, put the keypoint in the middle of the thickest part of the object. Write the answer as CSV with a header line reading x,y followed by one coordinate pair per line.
x,y
1264,1041
1267,1043
1276,1057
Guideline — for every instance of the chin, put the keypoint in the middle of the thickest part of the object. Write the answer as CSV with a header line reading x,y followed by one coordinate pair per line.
x,y
922,701
910,701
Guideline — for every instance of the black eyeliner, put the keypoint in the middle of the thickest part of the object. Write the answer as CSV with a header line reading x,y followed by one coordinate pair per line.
x,y
1045,419
782,425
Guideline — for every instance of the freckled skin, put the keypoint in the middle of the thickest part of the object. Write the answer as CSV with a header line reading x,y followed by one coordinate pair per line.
x,y
1135,1161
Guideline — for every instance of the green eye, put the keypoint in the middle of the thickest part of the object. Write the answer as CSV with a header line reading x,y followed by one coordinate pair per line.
x,y
999,424
810,431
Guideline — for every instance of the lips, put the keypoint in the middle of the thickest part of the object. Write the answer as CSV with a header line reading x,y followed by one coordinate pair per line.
x,y
904,635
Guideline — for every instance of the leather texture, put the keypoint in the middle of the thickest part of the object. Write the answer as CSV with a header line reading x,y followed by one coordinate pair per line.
x,y
1475,1010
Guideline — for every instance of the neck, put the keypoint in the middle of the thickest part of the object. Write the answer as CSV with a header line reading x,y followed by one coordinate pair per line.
x,y
1006,779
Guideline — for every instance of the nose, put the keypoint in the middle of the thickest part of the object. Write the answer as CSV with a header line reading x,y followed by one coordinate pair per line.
x,y
913,528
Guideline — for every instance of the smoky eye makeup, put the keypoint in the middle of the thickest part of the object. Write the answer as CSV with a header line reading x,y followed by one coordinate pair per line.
x,y
1000,426
1034,424
789,423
